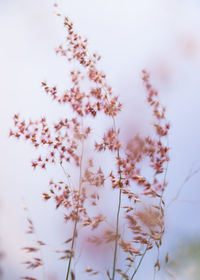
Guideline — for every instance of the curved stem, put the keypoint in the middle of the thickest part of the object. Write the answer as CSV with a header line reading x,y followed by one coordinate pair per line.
x,y
142,257
117,233
119,199
77,212
72,247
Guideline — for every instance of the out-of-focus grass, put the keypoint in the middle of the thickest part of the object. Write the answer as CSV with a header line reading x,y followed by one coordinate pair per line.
x,y
184,263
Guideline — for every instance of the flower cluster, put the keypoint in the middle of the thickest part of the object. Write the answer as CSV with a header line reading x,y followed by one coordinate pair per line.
x,y
100,96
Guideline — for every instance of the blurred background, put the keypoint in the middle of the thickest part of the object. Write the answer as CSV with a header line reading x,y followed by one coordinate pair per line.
x,y
161,36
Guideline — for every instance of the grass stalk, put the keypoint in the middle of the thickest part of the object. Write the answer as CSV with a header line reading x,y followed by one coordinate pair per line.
x,y
117,233
142,257
77,212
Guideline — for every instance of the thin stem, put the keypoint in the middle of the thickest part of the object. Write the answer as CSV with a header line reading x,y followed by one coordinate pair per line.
x,y
142,257
118,212
72,247
189,176
116,238
134,257
77,212
66,174
119,200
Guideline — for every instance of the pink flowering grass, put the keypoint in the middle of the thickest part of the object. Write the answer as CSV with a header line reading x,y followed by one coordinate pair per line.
x,y
140,205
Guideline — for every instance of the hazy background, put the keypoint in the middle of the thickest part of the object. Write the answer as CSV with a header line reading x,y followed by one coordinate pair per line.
x,y
159,35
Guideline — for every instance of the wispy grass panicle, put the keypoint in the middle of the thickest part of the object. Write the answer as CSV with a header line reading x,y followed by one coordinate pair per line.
x,y
140,204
